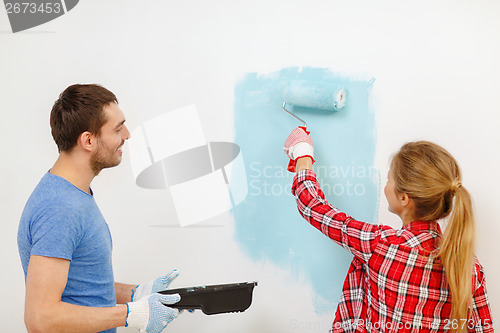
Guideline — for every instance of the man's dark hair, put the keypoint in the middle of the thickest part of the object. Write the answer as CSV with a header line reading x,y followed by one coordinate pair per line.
x,y
79,108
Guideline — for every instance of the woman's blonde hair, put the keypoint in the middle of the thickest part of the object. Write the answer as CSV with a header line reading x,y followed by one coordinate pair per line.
x,y
430,176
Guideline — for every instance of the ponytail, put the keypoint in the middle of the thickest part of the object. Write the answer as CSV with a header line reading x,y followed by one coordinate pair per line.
x,y
457,254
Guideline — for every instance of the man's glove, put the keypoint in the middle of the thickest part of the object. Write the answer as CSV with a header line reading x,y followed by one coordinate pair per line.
x,y
298,144
150,315
154,286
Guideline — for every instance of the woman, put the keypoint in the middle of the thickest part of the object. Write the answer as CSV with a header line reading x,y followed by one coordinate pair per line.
x,y
410,280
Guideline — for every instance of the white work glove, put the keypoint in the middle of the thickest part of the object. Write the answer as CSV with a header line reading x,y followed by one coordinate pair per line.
x,y
154,286
150,315
298,144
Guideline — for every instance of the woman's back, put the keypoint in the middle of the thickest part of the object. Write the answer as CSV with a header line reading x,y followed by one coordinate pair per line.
x,y
413,279
396,281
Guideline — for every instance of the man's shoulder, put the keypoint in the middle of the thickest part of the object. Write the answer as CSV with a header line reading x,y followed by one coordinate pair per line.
x,y
54,198
52,188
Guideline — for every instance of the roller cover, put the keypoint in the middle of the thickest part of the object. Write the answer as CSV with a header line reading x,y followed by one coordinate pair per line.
x,y
315,95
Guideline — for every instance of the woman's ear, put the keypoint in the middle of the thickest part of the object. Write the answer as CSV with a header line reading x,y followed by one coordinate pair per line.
x,y
404,199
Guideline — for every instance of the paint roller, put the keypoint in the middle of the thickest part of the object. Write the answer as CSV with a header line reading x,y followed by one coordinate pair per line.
x,y
313,95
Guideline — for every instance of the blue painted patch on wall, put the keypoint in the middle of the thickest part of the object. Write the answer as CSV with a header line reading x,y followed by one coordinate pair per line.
x,y
268,226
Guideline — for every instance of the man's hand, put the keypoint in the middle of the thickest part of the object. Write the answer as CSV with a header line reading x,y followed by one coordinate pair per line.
x,y
150,315
154,286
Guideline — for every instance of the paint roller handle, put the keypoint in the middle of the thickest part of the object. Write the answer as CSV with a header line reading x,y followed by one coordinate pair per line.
x,y
298,144
305,130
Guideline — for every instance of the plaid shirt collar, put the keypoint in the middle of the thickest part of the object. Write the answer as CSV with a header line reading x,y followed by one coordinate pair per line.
x,y
419,226
427,233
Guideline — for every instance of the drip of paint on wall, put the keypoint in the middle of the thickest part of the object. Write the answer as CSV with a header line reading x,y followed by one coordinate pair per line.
x,y
268,226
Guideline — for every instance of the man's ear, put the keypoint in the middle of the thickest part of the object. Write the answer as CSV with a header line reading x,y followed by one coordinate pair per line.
x,y
87,141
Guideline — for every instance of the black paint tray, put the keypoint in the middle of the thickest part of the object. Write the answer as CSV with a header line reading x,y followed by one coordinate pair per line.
x,y
221,298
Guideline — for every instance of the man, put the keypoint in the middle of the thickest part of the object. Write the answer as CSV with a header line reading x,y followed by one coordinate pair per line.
x,y
64,242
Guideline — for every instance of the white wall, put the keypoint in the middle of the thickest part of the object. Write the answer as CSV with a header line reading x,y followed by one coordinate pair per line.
x,y
436,68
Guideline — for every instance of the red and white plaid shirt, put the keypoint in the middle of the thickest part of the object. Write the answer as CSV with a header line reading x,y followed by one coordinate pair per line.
x,y
394,283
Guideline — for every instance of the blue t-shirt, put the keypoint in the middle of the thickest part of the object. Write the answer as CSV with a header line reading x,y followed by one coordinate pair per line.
x,y
62,221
